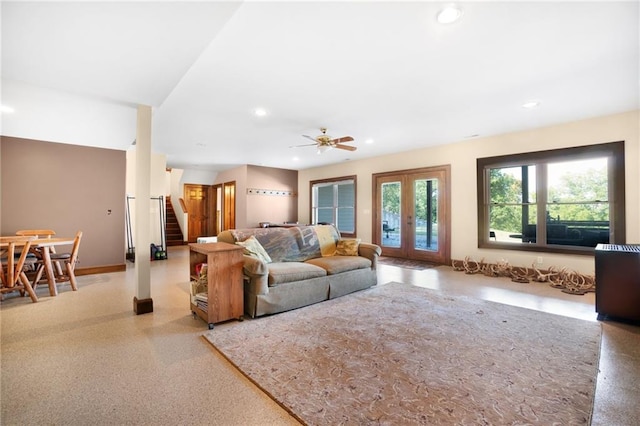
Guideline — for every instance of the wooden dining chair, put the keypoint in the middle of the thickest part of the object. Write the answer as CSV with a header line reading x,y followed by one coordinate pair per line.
x,y
42,233
12,275
69,259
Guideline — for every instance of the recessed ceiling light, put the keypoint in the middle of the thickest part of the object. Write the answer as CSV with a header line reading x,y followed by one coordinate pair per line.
x,y
296,159
6,109
449,14
369,141
260,112
531,104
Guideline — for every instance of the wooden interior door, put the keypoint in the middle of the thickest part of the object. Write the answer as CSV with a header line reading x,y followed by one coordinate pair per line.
x,y
197,202
229,203
216,208
411,214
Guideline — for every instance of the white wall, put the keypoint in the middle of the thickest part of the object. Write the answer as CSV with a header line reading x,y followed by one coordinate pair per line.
x,y
158,188
158,169
177,179
462,158
175,191
202,177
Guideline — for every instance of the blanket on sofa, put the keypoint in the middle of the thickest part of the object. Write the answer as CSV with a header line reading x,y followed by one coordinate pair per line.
x,y
295,244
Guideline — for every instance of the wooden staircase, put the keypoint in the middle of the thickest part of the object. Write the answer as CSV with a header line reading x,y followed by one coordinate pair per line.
x,y
173,232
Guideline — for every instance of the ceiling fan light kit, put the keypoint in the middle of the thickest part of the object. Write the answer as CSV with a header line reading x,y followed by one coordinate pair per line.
x,y
323,148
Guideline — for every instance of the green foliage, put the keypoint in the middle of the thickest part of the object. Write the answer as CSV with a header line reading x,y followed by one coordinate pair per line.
x,y
504,188
588,186
391,197
583,189
422,197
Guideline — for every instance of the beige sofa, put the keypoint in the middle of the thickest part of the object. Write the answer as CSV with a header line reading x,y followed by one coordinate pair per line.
x,y
307,265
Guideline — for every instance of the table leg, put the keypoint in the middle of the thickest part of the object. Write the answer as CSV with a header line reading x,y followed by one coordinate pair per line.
x,y
48,268
2,276
11,265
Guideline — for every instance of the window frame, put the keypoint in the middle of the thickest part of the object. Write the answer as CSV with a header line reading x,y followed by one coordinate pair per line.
x,y
616,183
334,182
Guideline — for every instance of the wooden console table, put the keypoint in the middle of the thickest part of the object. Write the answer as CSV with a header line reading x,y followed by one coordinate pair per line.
x,y
224,281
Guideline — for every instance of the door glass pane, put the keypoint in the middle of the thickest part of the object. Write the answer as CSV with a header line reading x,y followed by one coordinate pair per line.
x,y
425,196
391,197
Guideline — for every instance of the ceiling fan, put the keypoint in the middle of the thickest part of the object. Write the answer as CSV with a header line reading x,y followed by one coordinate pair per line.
x,y
325,142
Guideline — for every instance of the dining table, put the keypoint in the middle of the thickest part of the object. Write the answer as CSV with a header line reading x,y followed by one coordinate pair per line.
x,y
12,277
42,248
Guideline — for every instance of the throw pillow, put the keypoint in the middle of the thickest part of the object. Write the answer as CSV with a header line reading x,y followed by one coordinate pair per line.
x,y
253,248
347,247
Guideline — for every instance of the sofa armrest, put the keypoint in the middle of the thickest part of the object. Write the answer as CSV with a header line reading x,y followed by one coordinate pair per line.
x,y
253,266
258,273
371,252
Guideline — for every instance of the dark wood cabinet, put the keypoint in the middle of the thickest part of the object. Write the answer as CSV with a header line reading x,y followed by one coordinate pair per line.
x,y
618,281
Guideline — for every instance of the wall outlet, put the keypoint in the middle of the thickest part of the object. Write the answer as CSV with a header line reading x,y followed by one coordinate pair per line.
x,y
539,260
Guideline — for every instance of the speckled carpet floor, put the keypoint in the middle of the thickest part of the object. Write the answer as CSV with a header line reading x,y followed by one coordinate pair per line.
x,y
397,354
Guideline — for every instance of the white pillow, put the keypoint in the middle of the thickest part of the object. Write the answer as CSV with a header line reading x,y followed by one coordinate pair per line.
x,y
253,248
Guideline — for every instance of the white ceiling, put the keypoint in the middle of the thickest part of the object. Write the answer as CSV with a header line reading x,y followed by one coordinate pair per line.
x,y
74,72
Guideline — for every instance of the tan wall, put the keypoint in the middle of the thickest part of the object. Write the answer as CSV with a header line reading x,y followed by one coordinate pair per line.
x,y
271,208
66,188
462,158
251,209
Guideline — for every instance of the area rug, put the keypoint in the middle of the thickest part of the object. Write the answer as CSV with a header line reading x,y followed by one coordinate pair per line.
x,y
397,354
406,263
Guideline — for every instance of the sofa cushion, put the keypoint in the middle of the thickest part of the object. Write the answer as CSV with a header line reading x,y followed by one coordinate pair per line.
x,y
285,272
337,264
252,247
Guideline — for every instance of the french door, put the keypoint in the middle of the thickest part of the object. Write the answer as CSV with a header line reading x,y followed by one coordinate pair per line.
x,y
412,214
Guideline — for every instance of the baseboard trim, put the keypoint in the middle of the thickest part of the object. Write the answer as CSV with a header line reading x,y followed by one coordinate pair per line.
x,y
100,269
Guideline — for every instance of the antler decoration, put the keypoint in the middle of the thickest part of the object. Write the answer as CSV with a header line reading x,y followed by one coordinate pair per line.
x,y
568,281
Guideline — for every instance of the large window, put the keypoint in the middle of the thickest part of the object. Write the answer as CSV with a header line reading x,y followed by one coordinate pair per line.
x,y
566,200
334,201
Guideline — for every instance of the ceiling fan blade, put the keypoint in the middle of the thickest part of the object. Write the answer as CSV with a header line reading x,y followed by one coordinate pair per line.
x,y
309,137
306,144
347,147
342,139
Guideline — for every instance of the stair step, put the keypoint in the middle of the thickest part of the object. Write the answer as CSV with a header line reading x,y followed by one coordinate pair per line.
x,y
172,229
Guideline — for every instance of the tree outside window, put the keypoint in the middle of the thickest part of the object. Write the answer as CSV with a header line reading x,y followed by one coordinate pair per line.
x,y
561,200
